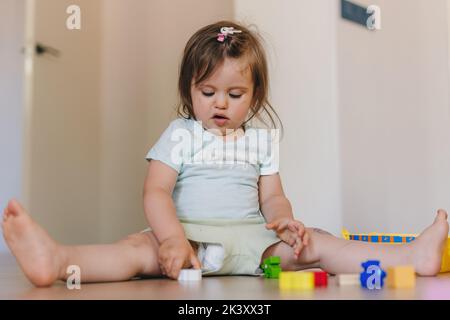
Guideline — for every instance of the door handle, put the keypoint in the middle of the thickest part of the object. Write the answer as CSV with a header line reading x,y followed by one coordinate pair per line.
x,y
41,49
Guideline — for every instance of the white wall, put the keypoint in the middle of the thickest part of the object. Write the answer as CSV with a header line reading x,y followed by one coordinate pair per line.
x,y
394,117
301,42
12,22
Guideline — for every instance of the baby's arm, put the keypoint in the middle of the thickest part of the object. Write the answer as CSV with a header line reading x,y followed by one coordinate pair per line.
x,y
277,210
175,252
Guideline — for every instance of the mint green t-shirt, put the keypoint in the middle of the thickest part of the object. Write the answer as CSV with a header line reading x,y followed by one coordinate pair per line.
x,y
216,179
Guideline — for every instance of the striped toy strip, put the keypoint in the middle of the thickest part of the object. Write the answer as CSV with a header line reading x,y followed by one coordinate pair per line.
x,y
379,237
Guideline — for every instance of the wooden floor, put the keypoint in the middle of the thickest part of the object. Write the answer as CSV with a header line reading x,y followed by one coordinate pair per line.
x,y
13,285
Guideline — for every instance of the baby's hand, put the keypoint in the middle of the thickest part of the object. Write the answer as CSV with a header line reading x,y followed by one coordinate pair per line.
x,y
292,232
174,254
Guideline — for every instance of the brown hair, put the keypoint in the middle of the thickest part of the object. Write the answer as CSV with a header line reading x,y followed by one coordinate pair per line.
x,y
203,53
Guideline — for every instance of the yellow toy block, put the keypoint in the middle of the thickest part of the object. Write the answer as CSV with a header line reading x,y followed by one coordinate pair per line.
x,y
401,277
445,265
303,281
285,280
290,280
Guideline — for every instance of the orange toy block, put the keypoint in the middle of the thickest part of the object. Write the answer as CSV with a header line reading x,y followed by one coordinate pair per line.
x,y
401,277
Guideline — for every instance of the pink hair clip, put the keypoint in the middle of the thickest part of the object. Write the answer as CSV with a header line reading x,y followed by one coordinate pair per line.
x,y
224,32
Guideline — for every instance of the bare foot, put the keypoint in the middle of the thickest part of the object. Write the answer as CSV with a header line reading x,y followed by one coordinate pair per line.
x,y
428,247
36,252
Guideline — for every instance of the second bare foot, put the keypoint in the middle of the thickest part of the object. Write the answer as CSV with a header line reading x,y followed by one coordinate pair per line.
x,y
427,249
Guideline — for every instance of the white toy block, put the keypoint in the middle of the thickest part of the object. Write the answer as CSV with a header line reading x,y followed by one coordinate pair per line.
x,y
190,275
348,279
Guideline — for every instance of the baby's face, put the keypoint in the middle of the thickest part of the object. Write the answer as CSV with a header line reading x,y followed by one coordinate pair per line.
x,y
223,100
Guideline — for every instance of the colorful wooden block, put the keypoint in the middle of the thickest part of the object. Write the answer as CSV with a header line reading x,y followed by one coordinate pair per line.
x,y
271,267
348,279
401,277
303,280
445,265
372,276
190,275
320,279
272,272
291,280
285,280
272,260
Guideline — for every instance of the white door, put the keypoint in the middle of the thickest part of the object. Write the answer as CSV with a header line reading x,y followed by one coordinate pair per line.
x,y
62,120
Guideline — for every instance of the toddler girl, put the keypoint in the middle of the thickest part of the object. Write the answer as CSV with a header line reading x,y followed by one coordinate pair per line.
x,y
213,197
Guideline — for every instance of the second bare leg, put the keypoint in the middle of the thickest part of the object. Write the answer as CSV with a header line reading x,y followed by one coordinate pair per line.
x,y
336,255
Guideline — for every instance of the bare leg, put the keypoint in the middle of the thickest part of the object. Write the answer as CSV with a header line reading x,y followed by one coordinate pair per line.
x,y
44,261
336,255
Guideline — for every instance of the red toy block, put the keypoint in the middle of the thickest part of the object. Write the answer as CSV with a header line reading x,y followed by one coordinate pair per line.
x,y
320,279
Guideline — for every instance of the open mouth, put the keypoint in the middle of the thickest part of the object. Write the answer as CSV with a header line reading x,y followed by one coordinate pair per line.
x,y
220,120
220,117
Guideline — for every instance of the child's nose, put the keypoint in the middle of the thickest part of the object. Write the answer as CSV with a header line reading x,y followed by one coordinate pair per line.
x,y
221,101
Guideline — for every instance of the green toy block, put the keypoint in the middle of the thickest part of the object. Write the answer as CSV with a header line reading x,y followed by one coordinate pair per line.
x,y
274,260
271,267
272,272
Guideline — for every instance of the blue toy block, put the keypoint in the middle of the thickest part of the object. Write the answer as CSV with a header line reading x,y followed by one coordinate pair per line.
x,y
373,276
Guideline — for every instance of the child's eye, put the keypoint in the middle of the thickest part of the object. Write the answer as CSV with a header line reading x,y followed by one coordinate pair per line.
x,y
210,94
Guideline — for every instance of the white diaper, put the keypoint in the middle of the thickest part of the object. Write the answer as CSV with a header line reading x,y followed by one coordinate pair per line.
x,y
211,256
